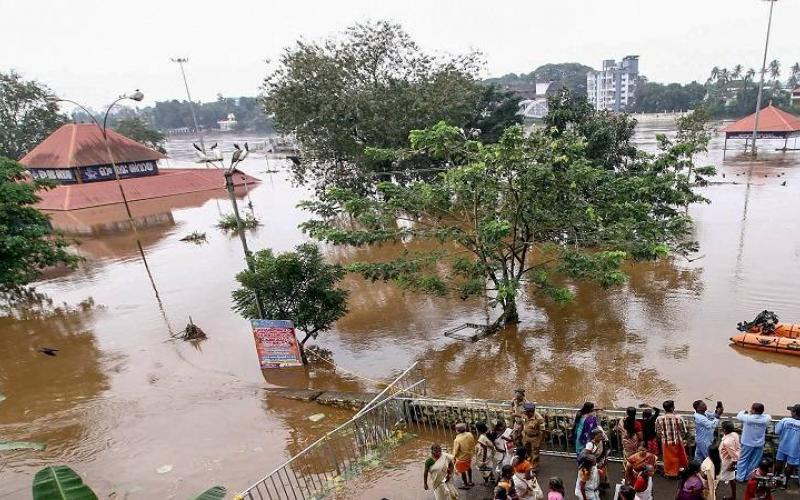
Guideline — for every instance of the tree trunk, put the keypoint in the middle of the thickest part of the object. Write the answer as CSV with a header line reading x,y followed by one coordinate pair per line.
x,y
302,346
510,315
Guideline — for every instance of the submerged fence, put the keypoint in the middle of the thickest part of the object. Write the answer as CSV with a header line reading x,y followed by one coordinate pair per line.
x,y
343,452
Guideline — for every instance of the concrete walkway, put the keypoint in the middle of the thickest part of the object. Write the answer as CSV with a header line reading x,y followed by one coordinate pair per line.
x,y
404,482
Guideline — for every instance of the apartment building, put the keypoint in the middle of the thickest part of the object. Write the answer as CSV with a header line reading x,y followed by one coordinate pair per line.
x,y
613,88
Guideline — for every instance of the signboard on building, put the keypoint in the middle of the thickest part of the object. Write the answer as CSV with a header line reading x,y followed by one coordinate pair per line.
x,y
276,343
106,172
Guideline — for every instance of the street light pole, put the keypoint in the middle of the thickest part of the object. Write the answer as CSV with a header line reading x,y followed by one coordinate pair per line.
x,y
136,96
180,61
248,257
761,82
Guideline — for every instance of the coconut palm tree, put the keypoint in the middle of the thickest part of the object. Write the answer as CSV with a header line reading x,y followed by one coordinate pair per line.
x,y
774,69
714,74
737,72
794,79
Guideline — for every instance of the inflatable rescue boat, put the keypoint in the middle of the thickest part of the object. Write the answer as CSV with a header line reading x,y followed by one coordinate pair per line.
x,y
766,333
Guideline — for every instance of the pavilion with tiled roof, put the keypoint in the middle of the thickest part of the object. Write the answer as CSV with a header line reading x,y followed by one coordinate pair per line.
x,y
76,153
773,123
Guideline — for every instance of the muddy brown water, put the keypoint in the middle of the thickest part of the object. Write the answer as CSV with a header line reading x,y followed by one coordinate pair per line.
x,y
119,401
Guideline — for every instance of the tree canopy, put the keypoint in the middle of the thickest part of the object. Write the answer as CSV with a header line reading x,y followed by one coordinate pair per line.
x,y
28,114
298,286
569,75
654,97
369,88
28,244
571,200
139,130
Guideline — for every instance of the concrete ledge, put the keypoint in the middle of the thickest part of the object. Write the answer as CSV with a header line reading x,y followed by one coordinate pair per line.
x,y
297,394
350,400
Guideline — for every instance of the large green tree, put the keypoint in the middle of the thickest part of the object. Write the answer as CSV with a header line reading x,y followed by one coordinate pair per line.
x,y
572,76
367,88
654,97
28,244
298,286
140,131
527,212
28,114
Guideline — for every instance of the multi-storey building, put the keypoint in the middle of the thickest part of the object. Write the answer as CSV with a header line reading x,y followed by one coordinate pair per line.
x,y
614,87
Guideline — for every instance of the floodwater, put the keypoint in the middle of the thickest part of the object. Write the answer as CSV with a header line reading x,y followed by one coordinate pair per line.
x,y
120,400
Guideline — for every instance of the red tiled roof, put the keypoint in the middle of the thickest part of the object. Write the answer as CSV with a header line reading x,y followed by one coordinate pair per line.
x,y
168,182
770,119
81,145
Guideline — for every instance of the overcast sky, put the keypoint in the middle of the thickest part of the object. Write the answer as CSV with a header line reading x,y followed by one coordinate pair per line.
x,y
91,51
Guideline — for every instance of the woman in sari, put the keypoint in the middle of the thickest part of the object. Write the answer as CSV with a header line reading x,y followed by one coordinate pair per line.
x,y
588,484
637,462
690,484
598,448
649,434
439,469
585,423
630,432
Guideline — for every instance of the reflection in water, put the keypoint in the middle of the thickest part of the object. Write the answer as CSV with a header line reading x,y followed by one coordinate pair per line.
x,y
50,398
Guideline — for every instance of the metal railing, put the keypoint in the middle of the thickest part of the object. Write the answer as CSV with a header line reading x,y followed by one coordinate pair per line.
x,y
435,419
345,451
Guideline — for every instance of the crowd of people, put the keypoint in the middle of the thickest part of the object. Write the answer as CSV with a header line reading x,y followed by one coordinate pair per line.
x,y
507,456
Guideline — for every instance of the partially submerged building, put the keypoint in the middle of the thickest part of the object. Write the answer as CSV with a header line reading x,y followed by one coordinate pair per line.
x,y
77,157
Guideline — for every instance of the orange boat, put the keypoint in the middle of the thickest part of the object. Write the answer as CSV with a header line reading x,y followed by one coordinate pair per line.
x,y
765,333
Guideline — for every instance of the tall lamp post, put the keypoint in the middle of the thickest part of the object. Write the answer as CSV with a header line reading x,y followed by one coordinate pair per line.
x,y
761,82
181,61
135,96
238,156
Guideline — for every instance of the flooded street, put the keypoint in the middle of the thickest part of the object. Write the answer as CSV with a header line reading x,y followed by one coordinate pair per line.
x,y
120,400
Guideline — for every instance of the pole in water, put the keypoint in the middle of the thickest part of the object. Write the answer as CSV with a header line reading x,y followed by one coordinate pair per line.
x,y
240,229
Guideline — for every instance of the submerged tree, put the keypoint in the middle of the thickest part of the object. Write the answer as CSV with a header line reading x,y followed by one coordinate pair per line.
x,y
28,114
528,211
28,243
298,286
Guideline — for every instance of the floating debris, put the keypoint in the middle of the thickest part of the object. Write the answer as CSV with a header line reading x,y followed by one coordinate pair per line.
x,y
195,237
49,351
164,469
2,397
21,445
192,332
316,417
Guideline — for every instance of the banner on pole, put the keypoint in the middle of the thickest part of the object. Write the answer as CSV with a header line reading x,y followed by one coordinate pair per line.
x,y
276,343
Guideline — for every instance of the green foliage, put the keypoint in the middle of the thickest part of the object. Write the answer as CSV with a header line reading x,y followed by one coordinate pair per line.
x,y
653,97
228,222
28,243
569,75
368,89
733,93
60,483
568,202
28,114
215,493
139,130
298,286
496,110
173,114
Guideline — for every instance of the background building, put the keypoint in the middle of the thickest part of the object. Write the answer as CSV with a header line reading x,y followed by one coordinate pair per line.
x,y
613,88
